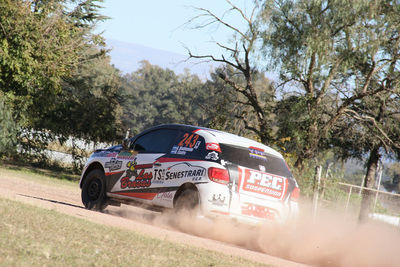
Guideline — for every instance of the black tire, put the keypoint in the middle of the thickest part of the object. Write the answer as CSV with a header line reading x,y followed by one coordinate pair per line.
x,y
94,191
188,200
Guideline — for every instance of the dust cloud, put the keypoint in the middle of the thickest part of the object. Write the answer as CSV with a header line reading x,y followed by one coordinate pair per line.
x,y
331,239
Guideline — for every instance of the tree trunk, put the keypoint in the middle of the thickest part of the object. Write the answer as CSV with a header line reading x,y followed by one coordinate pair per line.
x,y
369,182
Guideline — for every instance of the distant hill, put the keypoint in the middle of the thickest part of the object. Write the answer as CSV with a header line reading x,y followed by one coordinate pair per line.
x,y
126,57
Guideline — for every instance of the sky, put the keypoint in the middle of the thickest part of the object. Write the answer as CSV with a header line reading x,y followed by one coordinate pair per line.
x,y
161,24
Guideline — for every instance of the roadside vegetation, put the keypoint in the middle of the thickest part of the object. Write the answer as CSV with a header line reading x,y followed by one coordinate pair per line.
x,y
36,237
35,174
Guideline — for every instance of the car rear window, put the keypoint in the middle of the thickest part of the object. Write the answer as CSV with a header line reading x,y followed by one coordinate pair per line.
x,y
255,158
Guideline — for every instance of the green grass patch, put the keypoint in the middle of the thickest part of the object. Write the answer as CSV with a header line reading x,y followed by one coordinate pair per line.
x,y
32,236
53,168
42,176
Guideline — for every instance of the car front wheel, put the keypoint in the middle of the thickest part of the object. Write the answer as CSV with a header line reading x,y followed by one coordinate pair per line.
x,y
94,191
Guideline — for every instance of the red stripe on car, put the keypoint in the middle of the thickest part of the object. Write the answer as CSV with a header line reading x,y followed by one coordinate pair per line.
x,y
220,212
175,159
144,166
111,173
142,195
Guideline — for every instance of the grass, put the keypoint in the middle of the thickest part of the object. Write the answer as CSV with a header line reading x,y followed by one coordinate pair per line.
x,y
46,176
32,236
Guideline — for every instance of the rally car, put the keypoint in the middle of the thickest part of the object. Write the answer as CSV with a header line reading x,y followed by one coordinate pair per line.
x,y
187,167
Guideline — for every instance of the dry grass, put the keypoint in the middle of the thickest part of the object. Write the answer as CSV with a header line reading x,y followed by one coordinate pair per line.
x,y
32,236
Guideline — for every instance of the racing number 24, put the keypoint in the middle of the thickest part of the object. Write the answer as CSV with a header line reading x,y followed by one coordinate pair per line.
x,y
188,140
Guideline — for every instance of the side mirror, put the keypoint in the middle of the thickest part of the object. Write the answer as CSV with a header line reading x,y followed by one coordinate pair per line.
x,y
126,143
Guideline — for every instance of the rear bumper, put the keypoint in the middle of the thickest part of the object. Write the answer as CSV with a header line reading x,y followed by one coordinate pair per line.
x,y
218,200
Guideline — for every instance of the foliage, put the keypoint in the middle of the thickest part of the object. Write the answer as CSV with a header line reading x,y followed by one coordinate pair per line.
x,y
153,95
251,90
393,171
38,47
9,129
54,73
326,53
88,106
149,98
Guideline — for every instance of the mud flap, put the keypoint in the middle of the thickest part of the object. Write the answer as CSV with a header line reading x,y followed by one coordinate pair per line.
x,y
233,181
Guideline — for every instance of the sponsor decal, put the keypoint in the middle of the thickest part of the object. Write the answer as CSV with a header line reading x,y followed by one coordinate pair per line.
x,y
218,200
213,146
141,179
104,154
113,164
188,143
126,155
180,150
189,140
179,171
131,165
174,149
254,210
257,153
165,195
265,183
198,143
186,149
212,155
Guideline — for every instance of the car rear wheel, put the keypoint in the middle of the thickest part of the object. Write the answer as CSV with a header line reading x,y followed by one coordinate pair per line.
x,y
188,200
94,191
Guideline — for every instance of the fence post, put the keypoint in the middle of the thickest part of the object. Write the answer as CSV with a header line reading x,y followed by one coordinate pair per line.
x,y
348,199
317,181
380,170
362,185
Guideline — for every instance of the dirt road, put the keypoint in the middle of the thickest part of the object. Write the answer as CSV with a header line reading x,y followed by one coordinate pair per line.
x,y
67,200
332,240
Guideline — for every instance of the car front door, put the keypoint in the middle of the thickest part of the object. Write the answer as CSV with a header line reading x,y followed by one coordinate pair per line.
x,y
138,165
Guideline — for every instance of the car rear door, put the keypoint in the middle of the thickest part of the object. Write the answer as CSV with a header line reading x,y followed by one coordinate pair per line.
x,y
182,163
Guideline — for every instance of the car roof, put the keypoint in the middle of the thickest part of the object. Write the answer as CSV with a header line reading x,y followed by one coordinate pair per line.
x,y
220,136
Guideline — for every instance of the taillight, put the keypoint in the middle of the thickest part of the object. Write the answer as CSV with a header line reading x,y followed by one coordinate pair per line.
x,y
295,194
217,175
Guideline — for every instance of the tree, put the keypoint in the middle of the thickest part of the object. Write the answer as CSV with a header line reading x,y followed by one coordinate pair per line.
x,y
153,95
88,106
373,129
9,129
238,61
43,44
342,56
393,171
319,47
39,46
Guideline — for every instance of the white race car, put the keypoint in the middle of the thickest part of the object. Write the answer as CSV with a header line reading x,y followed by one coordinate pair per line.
x,y
187,167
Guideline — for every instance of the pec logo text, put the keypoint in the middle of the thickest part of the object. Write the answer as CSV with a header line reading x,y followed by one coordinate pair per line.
x,y
266,180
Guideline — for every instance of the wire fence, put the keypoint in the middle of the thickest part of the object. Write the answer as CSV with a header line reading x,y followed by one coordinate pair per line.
x,y
347,198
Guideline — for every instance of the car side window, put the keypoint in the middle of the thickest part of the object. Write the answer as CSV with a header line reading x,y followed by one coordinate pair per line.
x,y
158,141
